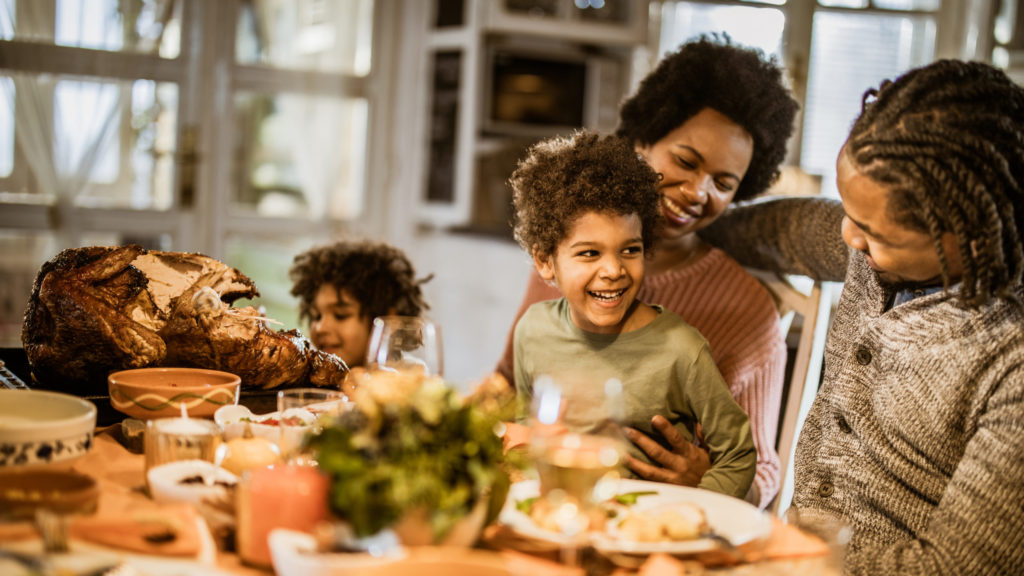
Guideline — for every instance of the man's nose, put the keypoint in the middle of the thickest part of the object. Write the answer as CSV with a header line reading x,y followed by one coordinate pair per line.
x,y
853,236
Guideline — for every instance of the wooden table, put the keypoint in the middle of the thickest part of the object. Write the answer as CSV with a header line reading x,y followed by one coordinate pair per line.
x,y
120,475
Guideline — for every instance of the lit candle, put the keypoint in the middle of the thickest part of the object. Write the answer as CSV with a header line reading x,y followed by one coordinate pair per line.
x,y
171,439
292,497
183,426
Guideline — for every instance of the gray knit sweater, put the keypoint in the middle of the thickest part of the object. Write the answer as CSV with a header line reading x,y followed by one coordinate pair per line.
x,y
917,434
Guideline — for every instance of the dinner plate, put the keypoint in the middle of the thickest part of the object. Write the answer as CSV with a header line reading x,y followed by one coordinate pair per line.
x,y
732,518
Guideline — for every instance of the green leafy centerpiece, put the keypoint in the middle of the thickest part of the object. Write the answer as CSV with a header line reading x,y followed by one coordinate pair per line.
x,y
411,447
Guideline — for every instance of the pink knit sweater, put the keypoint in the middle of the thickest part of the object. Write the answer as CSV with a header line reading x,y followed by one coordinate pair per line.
x,y
737,316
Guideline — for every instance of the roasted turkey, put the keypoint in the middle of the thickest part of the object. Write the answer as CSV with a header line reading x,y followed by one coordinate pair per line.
x,y
98,309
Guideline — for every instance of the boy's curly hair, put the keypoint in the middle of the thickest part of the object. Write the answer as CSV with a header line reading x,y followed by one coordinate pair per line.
x,y
566,176
377,275
712,72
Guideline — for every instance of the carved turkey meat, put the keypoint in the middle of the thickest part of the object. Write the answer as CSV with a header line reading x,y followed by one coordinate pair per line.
x,y
98,309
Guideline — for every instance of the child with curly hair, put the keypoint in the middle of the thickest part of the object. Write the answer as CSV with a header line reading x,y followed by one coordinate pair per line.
x,y
586,210
343,286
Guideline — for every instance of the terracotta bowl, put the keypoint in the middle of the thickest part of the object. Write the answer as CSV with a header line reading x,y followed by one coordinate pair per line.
x,y
40,428
22,492
147,393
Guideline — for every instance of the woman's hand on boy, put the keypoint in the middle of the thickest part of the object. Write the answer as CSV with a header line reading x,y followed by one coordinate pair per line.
x,y
684,465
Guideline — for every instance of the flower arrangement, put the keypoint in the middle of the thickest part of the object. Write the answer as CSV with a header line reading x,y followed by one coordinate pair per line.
x,y
410,444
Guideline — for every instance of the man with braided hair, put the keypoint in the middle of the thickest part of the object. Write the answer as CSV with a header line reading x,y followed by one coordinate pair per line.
x,y
916,438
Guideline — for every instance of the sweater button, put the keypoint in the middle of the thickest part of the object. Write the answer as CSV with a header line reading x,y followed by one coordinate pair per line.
x,y
844,426
826,489
863,356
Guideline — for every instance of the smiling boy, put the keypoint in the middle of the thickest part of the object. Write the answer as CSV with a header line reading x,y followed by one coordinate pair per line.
x,y
586,210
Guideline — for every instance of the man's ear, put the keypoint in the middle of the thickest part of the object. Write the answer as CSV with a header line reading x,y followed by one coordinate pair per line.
x,y
545,264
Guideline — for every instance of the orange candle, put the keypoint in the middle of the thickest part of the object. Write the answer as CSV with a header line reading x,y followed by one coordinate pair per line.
x,y
293,497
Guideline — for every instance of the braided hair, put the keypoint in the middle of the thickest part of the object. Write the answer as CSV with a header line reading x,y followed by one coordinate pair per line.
x,y
947,140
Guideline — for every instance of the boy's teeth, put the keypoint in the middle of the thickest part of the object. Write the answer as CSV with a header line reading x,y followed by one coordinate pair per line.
x,y
607,295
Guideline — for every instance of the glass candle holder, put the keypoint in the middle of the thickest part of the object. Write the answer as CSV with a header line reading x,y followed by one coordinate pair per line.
x,y
173,439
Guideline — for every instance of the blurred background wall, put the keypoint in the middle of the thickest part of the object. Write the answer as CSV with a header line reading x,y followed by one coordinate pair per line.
x,y
250,130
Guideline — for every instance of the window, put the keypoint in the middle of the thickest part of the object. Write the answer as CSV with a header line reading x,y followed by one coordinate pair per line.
x,y
853,45
228,127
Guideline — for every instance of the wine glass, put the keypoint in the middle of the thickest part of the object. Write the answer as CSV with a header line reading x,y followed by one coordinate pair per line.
x,y
578,450
405,343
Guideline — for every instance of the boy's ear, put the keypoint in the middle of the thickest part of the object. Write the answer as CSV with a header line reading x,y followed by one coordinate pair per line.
x,y
545,265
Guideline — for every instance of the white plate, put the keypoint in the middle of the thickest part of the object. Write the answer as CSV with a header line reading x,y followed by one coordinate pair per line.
x,y
294,554
730,517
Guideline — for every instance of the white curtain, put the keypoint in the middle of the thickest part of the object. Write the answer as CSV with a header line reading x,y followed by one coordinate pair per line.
x,y
63,126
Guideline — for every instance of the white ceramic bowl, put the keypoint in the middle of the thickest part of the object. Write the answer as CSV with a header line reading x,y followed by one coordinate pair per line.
x,y
41,428
232,420
166,482
294,554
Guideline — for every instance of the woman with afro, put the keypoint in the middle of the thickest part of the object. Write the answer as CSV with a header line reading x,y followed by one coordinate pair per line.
x,y
712,119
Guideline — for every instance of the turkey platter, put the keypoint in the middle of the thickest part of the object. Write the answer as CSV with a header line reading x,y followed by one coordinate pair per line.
x,y
98,309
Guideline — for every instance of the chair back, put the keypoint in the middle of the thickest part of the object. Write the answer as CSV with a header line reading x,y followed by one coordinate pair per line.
x,y
811,301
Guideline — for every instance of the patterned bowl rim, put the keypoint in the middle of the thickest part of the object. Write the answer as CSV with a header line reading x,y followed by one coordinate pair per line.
x,y
228,379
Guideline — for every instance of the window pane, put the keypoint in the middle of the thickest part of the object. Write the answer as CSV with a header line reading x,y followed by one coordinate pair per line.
x,y
300,156
85,113
757,27
103,144
322,35
133,126
851,53
23,253
908,4
844,3
6,127
266,260
153,26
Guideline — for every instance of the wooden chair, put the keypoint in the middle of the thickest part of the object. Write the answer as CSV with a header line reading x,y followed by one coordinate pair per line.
x,y
812,301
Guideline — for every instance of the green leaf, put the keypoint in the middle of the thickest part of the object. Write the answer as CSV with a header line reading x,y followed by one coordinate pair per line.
x,y
526,504
629,498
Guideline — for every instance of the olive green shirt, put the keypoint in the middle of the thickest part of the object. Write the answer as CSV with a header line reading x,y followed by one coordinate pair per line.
x,y
665,367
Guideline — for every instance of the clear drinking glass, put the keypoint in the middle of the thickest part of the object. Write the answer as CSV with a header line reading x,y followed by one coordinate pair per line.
x,y
298,410
578,457
405,344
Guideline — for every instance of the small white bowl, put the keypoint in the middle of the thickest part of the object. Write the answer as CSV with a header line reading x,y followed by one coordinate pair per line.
x,y
232,420
294,554
166,482
40,428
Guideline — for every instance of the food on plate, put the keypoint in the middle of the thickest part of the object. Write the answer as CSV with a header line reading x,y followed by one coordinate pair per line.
x,y
680,521
97,309
546,515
